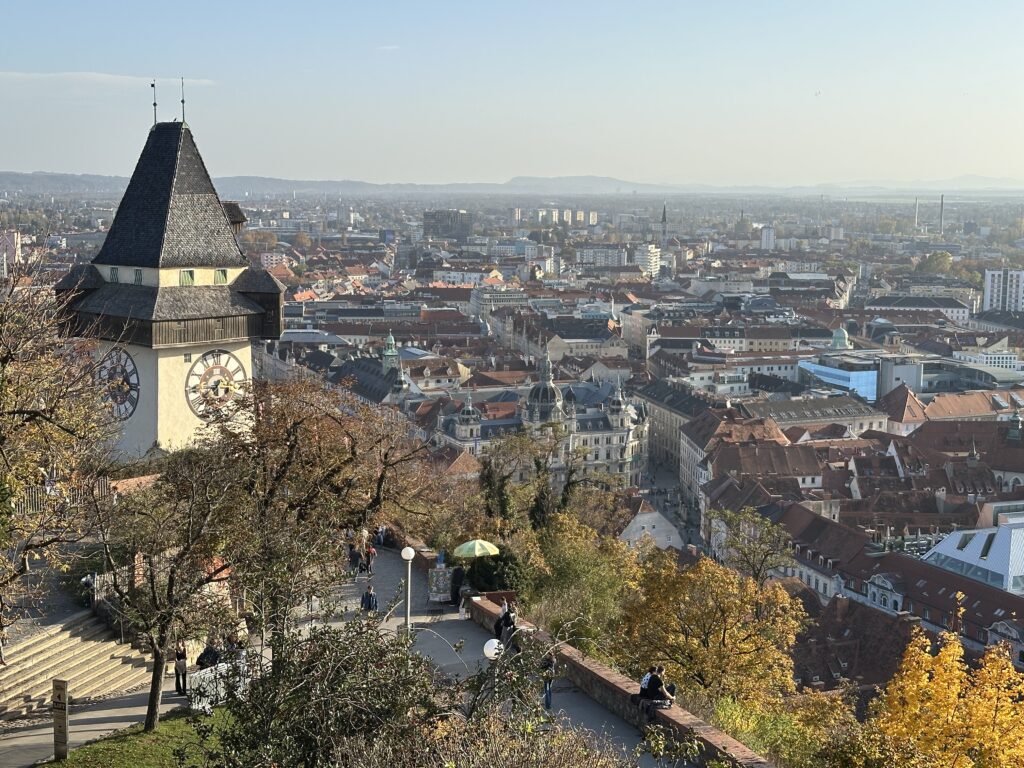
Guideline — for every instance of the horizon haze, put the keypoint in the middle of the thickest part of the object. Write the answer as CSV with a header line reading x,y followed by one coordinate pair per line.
x,y
681,95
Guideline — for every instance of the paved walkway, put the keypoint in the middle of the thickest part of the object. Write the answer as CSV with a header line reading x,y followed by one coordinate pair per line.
x,y
438,634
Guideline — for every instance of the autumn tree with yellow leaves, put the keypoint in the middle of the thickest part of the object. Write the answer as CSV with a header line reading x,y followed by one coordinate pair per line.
x,y
955,715
717,632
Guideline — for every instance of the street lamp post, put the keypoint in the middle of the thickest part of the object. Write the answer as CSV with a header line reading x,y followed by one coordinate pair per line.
x,y
408,554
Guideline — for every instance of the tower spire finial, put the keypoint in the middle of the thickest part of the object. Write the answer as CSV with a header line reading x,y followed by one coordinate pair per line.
x,y
153,86
183,99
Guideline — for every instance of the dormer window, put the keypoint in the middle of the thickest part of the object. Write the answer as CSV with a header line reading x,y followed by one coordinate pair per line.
x,y
138,276
187,277
220,277
113,274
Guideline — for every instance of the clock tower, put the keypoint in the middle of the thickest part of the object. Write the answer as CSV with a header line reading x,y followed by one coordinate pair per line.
x,y
172,300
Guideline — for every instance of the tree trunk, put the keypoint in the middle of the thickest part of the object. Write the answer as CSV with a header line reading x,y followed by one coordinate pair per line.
x,y
156,685
278,618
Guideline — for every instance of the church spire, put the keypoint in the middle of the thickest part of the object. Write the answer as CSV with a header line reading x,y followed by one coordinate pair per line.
x,y
390,356
544,367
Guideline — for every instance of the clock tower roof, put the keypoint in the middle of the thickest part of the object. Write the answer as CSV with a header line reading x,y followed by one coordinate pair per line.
x,y
170,215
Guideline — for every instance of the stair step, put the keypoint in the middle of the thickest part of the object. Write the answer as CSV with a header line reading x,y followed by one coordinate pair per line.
x,y
55,647
131,678
57,663
85,673
81,650
69,668
102,678
40,638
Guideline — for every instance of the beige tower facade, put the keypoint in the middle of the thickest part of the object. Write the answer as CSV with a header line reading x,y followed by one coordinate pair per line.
x,y
172,300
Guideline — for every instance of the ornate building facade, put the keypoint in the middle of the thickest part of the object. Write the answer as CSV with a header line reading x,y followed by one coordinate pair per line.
x,y
592,421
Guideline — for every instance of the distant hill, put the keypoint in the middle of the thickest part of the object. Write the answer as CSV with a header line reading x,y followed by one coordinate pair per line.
x,y
43,183
236,187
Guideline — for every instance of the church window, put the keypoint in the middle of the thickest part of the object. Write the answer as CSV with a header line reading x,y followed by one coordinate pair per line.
x,y
138,276
113,274
187,277
220,277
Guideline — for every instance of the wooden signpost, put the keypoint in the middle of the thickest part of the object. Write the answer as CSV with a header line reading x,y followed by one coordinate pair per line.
x,y
60,719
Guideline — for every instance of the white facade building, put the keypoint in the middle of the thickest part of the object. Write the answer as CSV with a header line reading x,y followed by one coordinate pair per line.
x,y
648,257
1004,290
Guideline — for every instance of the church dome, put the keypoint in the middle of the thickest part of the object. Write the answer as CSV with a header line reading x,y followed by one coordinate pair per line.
x,y
840,339
544,398
469,414
544,394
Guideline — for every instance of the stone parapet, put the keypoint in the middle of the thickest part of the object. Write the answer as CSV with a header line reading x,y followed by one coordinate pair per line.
x,y
612,690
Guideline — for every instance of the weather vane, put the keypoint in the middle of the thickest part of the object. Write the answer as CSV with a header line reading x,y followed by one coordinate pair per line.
x,y
153,86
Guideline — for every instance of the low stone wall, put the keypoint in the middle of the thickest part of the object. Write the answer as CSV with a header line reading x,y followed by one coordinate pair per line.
x,y
612,690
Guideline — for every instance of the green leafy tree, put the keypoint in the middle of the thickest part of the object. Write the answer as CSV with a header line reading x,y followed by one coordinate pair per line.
x,y
356,696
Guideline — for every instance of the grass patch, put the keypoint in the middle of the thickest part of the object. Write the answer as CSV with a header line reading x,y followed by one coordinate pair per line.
x,y
132,748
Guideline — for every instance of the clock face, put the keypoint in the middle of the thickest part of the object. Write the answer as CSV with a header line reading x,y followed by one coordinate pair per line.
x,y
214,380
120,379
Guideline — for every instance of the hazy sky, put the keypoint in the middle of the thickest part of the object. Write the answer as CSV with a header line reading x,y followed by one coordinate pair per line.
x,y
433,91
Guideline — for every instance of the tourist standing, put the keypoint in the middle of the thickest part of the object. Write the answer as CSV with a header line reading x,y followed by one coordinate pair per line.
x,y
458,578
180,668
369,601
547,667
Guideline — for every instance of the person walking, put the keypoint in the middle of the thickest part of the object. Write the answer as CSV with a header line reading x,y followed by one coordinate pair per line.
x,y
180,669
371,557
547,671
369,601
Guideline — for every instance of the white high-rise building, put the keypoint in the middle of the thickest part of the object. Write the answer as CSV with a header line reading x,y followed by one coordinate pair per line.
x,y
10,250
648,257
1004,290
767,238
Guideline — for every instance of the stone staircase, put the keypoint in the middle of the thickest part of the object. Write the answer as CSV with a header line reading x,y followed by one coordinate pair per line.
x,y
83,651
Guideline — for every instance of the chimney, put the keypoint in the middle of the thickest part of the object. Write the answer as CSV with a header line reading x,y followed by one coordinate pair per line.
x,y
942,214
842,605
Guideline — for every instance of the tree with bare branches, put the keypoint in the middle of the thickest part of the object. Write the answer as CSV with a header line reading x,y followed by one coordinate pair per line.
x,y
311,464
53,430
167,550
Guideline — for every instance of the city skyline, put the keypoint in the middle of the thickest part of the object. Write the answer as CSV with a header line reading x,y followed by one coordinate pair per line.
x,y
734,95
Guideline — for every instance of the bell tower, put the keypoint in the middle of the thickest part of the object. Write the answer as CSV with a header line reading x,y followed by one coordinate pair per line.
x,y
172,300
